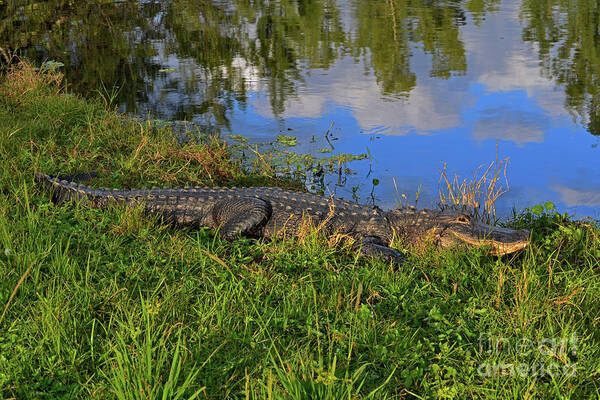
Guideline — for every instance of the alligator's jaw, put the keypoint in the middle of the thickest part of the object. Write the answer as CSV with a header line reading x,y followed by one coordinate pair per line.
x,y
500,240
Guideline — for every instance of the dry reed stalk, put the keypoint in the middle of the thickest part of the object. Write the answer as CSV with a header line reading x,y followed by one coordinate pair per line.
x,y
483,189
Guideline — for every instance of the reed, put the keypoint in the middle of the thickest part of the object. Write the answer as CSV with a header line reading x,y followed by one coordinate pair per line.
x,y
479,192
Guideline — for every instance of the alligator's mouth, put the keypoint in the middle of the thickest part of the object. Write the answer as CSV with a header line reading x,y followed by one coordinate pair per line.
x,y
500,240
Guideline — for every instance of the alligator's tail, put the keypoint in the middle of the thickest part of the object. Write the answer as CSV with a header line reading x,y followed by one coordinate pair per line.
x,y
66,190
86,176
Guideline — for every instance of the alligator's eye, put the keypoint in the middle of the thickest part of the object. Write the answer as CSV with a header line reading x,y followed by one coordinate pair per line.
x,y
462,219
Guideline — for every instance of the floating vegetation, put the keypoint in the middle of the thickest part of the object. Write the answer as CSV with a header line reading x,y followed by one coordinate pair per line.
x,y
276,160
285,140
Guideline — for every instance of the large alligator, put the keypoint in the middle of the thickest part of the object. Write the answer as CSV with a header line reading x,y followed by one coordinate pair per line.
x,y
271,211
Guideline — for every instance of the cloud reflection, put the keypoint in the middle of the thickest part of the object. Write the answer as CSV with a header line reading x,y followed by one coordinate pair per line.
x,y
347,86
515,125
578,197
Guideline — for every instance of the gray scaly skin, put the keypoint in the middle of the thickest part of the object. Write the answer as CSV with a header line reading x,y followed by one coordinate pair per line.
x,y
270,211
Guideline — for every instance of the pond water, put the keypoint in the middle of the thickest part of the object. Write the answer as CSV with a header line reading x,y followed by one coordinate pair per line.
x,y
415,84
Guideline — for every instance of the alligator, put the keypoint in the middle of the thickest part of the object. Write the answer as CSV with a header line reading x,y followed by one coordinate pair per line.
x,y
257,212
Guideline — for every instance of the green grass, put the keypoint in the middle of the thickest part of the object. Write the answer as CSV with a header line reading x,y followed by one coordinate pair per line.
x,y
112,304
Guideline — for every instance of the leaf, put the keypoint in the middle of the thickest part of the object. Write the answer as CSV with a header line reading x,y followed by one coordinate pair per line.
x,y
286,140
51,65
538,209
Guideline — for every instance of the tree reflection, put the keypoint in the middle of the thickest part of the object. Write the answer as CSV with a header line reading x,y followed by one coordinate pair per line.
x,y
401,22
185,59
93,39
568,41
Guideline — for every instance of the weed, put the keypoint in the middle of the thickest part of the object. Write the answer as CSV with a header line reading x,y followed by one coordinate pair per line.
x,y
22,79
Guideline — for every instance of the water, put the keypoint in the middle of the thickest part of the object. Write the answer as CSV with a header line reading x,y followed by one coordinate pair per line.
x,y
416,84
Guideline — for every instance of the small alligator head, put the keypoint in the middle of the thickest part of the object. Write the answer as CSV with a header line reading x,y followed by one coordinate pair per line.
x,y
450,228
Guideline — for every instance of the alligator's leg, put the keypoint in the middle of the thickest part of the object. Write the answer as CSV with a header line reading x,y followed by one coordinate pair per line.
x,y
374,247
241,217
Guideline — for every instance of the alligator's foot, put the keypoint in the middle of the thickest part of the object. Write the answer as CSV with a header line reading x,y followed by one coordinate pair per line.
x,y
374,247
241,217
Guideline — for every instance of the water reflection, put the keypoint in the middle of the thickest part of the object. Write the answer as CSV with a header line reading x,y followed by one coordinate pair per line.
x,y
215,47
567,40
414,82
579,196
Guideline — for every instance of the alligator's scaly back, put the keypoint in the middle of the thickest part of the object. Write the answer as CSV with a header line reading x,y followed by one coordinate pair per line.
x,y
210,207
267,211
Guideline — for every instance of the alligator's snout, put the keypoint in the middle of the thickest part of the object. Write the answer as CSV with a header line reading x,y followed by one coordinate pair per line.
x,y
500,240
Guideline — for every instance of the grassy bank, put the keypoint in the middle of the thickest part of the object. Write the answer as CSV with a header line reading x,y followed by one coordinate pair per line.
x,y
108,303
